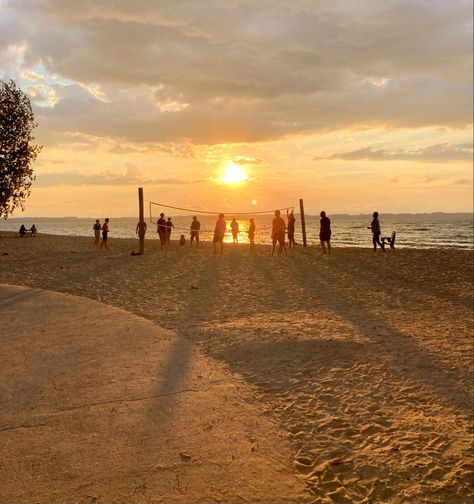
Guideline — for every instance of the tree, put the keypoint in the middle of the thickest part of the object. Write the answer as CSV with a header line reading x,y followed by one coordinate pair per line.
x,y
17,148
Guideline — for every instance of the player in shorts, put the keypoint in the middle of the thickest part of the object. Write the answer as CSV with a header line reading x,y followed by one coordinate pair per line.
x,y
195,227
219,233
278,233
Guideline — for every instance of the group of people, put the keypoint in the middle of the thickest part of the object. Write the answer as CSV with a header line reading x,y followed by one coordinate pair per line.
x,y
163,228
23,232
280,230
97,227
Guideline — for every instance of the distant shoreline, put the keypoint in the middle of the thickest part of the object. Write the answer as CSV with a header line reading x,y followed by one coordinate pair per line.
x,y
466,214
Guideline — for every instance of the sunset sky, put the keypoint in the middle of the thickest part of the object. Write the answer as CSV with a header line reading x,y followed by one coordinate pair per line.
x,y
352,106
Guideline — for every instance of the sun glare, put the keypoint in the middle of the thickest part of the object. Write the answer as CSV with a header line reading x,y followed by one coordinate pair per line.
x,y
233,174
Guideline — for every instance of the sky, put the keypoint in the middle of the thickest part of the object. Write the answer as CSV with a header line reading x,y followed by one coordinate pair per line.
x,y
350,106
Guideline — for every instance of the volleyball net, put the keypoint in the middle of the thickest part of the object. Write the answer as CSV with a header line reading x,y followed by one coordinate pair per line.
x,y
181,219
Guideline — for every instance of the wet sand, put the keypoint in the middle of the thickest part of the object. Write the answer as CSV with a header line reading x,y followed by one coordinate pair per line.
x,y
363,362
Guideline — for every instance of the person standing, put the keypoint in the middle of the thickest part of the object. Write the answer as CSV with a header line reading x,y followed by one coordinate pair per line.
x,y
291,228
251,233
375,227
219,233
169,226
325,232
105,233
140,230
161,230
234,227
195,227
96,227
278,233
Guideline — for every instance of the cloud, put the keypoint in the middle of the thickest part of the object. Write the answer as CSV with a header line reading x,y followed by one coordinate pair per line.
x,y
161,71
131,176
438,153
249,161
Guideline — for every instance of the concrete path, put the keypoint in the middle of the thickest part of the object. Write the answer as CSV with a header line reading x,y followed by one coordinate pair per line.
x,y
99,405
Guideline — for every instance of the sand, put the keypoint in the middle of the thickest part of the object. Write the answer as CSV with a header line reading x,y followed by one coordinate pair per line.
x,y
359,365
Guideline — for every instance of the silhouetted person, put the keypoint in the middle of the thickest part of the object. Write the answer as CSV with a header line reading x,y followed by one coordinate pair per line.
x,y
325,232
161,230
96,227
375,227
251,233
278,233
291,228
33,231
219,233
105,233
182,241
234,227
195,227
140,230
169,226
22,231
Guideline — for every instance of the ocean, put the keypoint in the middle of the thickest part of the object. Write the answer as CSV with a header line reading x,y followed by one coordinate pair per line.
x,y
434,230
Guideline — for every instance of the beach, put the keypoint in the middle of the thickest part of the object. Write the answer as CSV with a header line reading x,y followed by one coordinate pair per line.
x,y
357,367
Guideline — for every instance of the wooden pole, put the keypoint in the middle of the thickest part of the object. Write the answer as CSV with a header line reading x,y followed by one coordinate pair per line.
x,y
303,224
141,222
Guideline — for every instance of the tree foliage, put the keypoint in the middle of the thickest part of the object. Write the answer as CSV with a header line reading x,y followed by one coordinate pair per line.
x,y
17,147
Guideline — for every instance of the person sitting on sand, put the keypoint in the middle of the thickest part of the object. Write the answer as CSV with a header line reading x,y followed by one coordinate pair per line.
x,y
33,231
325,232
234,227
182,241
251,233
169,226
195,227
375,227
22,231
96,227
105,232
161,230
219,233
278,233
291,228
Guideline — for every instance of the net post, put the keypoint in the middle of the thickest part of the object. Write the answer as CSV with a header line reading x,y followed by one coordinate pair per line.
x,y
303,223
141,223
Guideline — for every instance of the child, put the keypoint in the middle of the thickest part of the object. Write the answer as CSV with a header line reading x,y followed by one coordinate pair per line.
x,y
182,241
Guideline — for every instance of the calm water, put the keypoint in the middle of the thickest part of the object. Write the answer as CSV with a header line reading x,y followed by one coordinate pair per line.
x,y
439,230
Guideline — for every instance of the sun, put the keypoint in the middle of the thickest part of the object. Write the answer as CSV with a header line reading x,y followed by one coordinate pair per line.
x,y
233,174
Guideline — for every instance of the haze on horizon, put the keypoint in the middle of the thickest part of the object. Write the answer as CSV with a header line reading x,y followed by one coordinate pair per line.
x,y
353,107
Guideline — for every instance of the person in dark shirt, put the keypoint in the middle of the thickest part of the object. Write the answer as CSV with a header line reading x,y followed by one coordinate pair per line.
x,y
22,231
278,233
291,228
325,232
161,230
195,227
375,227
96,227
169,226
